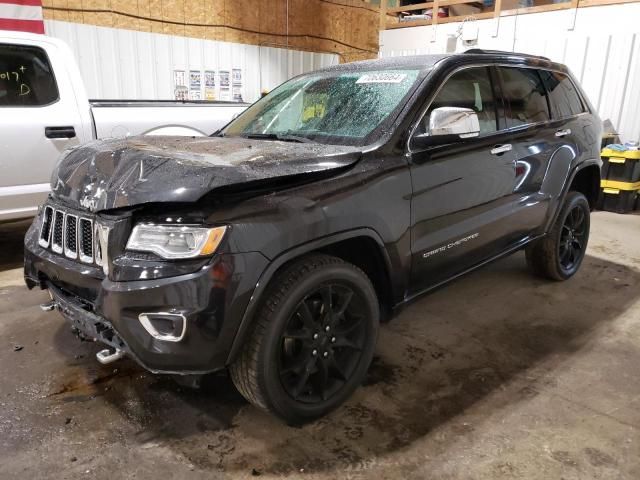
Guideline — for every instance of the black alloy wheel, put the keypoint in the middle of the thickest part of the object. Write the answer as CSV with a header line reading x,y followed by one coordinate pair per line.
x,y
322,343
559,254
572,238
312,341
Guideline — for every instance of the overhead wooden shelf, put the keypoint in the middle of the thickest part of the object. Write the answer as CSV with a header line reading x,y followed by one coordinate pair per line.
x,y
391,18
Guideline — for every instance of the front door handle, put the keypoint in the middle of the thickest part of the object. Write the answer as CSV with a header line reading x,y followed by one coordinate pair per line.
x,y
59,132
562,133
500,149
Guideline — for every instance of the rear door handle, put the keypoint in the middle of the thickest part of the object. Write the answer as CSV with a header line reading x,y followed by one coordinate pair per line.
x,y
59,132
500,149
562,133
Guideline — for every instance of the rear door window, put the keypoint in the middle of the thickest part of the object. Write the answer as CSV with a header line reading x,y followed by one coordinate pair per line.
x,y
563,97
26,77
525,95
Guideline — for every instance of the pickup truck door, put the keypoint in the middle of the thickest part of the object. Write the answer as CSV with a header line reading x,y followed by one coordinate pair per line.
x,y
463,193
39,118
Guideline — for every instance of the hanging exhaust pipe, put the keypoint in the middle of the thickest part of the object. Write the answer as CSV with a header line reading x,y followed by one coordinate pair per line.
x,y
106,356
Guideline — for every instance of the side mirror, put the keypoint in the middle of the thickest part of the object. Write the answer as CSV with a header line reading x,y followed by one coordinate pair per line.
x,y
448,124
454,121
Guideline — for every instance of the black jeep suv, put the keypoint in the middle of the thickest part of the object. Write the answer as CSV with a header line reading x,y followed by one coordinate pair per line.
x,y
274,247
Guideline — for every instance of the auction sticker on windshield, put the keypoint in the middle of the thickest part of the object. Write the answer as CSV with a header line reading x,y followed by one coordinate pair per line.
x,y
386,77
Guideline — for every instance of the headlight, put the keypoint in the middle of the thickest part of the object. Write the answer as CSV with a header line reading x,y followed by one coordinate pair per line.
x,y
174,241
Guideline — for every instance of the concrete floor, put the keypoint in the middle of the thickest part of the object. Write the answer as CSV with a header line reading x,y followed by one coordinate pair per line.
x,y
498,376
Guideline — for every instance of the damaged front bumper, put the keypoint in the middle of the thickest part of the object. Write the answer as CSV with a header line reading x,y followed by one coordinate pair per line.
x,y
211,302
87,325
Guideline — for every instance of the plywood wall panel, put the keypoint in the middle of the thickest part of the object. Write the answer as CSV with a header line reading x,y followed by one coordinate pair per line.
x,y
60,12
173,16
215,15
121,20
194,19
343,26
144,25
339,22
244,15
273,20
75,11
306,20
96,12
155,16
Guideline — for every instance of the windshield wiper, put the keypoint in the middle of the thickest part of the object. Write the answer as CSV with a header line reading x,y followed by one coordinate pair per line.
x,y
283,137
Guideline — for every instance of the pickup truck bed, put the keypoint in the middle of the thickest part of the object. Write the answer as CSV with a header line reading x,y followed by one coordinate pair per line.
x,y
178,117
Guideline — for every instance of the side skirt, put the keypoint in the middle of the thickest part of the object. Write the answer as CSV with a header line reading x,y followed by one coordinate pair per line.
x,y
512,249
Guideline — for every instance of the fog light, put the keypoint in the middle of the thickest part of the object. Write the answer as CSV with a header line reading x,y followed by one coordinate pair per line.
x,y
168,327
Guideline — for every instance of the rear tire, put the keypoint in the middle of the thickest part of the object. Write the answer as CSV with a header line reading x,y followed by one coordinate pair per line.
x,y
312,342
558,256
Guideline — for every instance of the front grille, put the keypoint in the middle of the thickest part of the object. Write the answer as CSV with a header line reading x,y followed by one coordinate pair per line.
x,y
85,237
58,225
69,234
45,232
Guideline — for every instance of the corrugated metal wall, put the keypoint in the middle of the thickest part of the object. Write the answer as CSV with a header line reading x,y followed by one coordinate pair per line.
x,y
601,45
125,64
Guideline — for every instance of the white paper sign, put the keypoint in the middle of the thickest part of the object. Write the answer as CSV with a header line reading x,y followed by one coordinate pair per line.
x,y
382,77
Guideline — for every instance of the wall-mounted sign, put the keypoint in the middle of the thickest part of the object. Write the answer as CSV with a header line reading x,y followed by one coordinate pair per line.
x,y
195,85
180,90
236,77
202,84
225,84
209,85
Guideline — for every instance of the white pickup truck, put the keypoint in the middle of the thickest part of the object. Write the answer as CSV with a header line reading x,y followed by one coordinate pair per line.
x,y
44,110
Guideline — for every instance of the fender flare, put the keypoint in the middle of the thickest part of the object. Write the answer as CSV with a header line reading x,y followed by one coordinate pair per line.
x,y
286,256
565,190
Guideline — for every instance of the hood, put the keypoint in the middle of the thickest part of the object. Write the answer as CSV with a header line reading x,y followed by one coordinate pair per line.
x,y
124,172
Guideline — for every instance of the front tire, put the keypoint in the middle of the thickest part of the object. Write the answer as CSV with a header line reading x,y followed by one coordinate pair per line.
x,y
312,342
558,256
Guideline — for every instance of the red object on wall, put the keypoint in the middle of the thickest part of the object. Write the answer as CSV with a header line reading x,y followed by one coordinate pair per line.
x,y
21,15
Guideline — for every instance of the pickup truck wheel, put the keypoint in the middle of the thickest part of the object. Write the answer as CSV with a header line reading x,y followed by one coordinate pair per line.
x,y
312,342
559,255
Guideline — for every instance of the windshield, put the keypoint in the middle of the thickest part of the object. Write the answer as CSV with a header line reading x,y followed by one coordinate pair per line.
x,y
336,107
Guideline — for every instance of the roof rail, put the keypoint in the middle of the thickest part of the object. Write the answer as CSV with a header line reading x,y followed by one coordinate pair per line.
x,y
480,51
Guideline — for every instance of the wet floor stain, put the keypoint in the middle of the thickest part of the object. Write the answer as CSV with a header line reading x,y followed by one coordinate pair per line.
x,y
598,458
380,372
